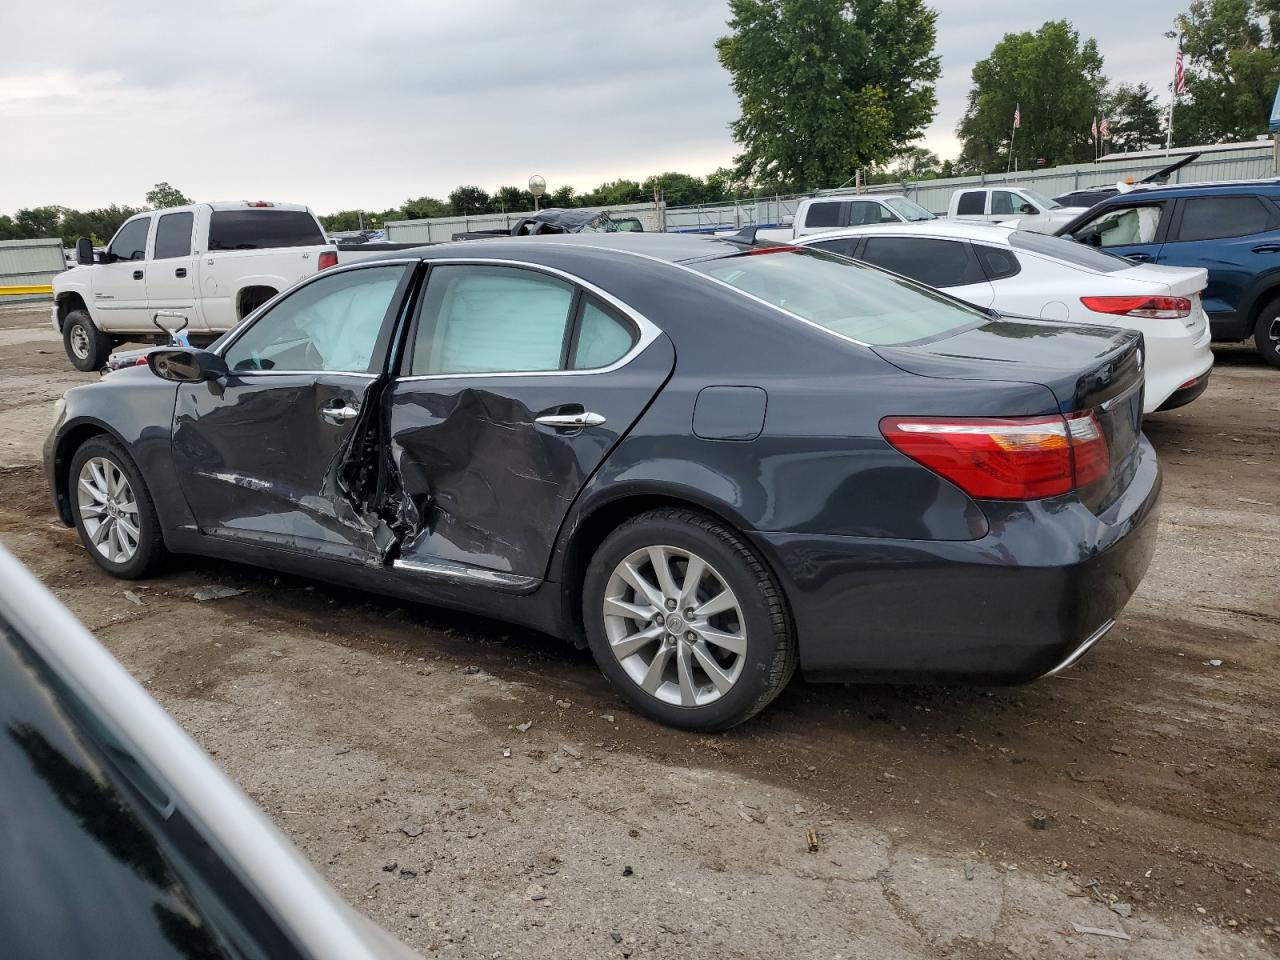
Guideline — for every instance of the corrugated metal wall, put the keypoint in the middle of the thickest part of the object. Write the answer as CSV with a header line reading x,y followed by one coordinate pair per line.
x,y
29,262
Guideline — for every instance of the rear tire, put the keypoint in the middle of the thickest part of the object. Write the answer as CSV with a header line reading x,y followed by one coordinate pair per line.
x,y
705,652
1266,333
87,347
113,510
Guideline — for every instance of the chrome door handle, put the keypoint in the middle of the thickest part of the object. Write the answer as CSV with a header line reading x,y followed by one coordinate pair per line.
x,y
569,420
339,414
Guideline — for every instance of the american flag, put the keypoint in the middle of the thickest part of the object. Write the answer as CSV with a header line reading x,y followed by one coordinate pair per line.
x,y
1104,128
1094,129
1179,75
1017,116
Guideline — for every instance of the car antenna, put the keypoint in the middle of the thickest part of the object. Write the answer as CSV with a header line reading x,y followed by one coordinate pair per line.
x,y
746,236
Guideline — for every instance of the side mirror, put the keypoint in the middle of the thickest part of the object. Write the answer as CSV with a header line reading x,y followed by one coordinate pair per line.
x,y
1028,208
187,366
788,221
84,251
1093,238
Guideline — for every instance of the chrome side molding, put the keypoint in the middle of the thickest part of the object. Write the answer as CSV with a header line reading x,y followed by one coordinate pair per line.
x,y
1081,650
447,572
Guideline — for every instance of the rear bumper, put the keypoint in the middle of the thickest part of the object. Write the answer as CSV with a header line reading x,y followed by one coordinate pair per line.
x,y
1184,395
1171,362
1028,598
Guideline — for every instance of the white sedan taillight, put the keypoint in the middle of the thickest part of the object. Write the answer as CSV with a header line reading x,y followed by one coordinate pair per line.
x,y
1152,308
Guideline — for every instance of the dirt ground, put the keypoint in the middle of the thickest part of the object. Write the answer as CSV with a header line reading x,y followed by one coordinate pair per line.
x,y
1138,794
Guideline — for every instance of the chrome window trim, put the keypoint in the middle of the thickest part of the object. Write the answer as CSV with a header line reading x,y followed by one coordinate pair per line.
x,y
238,331
649,331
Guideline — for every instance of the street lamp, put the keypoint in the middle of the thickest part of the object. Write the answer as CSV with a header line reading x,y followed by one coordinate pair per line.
x,y
537,186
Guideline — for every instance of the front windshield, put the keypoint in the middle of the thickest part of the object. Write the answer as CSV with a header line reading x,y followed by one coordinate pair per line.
x,y
1040,200
909,209
844,296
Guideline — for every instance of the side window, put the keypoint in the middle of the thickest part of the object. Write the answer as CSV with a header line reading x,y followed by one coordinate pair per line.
x,y
131,242
1003,203
998,264
1122,226
331,324
601,339
939,263
841,245
173,235
823,213
482,319
863,212
1212,218
973,203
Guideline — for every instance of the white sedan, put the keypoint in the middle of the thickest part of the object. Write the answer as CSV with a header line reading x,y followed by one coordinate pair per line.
x,y
1034,275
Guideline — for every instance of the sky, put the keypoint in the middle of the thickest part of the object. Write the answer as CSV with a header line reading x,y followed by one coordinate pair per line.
x,y
346,105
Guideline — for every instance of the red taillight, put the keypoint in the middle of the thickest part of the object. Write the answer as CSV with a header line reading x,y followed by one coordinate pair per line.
x,y
756,251
328,258
1154,308
1009,458
258,203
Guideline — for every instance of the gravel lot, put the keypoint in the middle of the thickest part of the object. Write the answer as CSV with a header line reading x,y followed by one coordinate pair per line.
x,y
1139,793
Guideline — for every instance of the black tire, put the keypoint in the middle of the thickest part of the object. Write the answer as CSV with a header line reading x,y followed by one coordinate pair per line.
x,y
1266,333
87,347
151,552
769,660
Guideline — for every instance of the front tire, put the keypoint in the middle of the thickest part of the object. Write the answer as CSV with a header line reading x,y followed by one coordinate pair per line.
x,y
113,510
686,621
1266,333
87,347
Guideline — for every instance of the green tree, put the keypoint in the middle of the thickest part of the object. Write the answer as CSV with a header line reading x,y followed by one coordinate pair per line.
x,y
1134,118
563,197
424,208
467,201
1232,68
163,195
613,193
98,225
828,86
9,228
512,200
39,222
1056,81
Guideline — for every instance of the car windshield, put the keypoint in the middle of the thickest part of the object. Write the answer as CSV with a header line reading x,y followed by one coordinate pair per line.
x,y
1040,200
909,209
846,297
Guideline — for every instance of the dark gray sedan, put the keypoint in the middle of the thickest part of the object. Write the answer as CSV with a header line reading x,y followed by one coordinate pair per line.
x,y
711,462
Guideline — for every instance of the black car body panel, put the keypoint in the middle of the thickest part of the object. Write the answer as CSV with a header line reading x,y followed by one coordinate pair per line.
x,y
446,490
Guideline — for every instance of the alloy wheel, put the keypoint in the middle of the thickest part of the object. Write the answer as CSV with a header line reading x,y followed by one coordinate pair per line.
x,y
108,509
1274,333
675,626
80,341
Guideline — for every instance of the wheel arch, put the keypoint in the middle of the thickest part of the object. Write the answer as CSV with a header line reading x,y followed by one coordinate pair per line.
x,y
254,295
68,301
595,521
70,439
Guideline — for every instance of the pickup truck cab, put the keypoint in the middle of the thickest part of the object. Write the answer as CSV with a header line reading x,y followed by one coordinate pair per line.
x,y
820,214
1019,207
211,263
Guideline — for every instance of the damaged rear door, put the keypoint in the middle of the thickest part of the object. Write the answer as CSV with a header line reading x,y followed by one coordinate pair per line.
x,y
262,455
517,383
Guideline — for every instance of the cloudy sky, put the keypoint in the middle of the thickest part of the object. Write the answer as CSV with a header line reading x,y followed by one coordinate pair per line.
x,y
340,105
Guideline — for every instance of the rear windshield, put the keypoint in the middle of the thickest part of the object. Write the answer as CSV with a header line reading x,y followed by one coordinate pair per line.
x,y
1076,254
909,209
846,297
263,229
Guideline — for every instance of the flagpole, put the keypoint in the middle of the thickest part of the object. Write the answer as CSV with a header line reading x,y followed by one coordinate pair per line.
x,y
1173,93
1013,135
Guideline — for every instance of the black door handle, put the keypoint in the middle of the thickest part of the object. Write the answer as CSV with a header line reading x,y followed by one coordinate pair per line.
x,y
137,274
1267,248
180,272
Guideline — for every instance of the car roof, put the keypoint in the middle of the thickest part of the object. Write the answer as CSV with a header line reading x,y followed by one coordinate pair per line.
x,y
859,196
671,247
939,228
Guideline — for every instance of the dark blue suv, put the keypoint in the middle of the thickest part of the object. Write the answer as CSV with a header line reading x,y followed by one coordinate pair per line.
x,y
1231,229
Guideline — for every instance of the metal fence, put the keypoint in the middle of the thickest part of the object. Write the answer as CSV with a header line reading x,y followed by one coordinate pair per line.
x,y
29,263
440,229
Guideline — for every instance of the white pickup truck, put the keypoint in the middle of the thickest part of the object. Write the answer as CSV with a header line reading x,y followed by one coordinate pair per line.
x,y
1018,207
820,214
212,263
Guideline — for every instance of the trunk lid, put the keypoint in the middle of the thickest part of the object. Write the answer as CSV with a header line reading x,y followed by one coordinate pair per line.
x,y
1087,368
1186,282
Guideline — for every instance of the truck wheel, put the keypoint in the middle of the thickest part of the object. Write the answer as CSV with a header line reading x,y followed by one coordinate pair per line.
x,y
1266,334
87,346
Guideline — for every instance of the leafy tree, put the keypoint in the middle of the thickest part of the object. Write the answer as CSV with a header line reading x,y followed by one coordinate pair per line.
x,y
98,225
828,86
563,197
512,200
613,193
468,201
915,163
1056,81
424,208
1134,118
9,228
39,222
1232,68
163,195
